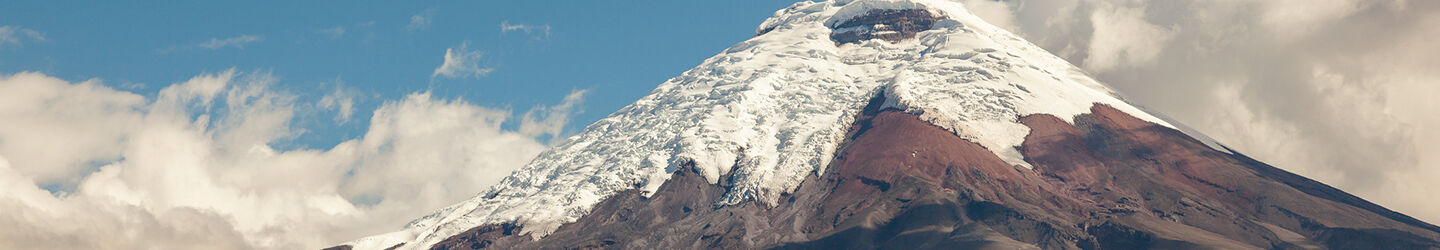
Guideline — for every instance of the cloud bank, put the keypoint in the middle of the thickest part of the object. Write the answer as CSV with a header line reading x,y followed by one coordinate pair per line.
x,y
195,165
1340,91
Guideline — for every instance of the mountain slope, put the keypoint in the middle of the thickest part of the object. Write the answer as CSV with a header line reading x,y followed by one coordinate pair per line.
x,y
900,182
887,123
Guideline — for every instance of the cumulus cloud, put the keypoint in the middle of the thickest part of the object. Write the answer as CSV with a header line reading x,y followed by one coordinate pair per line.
x,y
461,62
1337,90
1298,17
55,131
193,167
1123,38
15,36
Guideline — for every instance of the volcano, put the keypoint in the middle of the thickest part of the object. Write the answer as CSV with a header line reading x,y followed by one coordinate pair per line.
x,y
898,124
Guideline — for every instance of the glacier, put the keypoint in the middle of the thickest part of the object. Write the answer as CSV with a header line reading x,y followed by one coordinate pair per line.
x,y
766,112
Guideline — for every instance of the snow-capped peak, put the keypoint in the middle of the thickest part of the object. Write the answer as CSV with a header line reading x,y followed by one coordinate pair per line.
x,y
768,111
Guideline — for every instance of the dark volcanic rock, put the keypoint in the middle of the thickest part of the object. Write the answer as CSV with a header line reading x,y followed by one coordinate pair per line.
x,y
478,237
1110,181
886,24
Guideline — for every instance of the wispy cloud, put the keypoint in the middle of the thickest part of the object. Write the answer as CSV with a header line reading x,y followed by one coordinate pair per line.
x,y
216,43
421,21
333,33
541,31
238,42
461,62
542,121
341,100
11,35
363,28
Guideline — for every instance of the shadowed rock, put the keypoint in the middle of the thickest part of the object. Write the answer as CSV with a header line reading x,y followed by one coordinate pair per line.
x,y
885,24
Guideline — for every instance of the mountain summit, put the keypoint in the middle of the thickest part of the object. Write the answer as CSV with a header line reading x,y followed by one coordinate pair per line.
x,y
904,124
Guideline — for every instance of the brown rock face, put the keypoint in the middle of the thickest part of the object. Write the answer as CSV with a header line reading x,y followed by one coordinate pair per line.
x,y
889,25
1110,181
478,238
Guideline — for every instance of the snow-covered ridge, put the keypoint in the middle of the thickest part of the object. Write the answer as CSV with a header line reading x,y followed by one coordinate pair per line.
x,y
768,111
852,9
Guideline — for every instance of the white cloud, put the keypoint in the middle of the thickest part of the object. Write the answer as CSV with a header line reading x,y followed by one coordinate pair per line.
x,y
216,43
416,149
421,21
1298,17
64,127
461,62
1122,37
994,12
238,42
193,168
542,120
341,100
15,36
539,31
36,220
505,26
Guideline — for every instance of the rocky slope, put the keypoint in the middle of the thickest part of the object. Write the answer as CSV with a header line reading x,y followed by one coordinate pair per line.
x,y
1111,182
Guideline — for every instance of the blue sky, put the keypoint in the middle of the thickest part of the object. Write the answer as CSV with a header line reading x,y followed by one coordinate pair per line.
x,y
384,50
